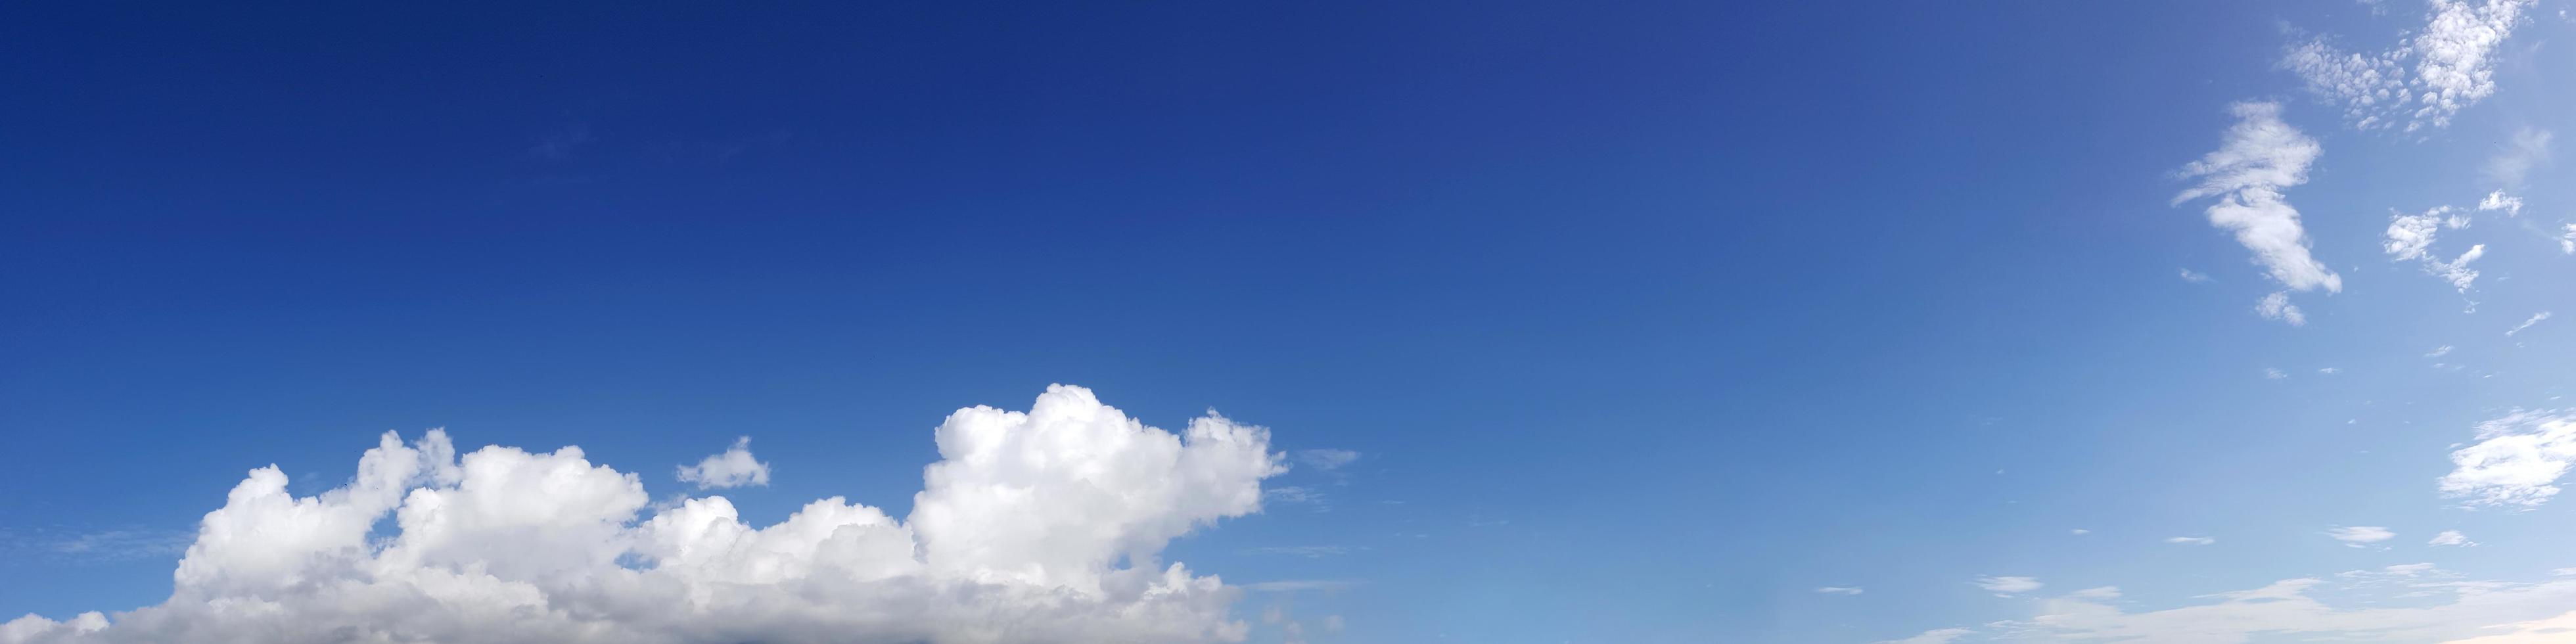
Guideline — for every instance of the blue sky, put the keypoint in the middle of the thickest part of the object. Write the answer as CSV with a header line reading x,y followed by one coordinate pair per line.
x,y
1568,323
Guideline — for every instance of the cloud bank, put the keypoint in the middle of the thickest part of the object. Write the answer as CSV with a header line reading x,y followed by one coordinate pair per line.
x,y
1034,526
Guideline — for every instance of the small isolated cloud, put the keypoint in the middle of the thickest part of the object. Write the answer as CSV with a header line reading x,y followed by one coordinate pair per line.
x,y
1934,636
2516,462
2274,374
2498,200
2450,538
733,468
2191,541
2567,239
2535,319
2439,351
1839,590
2329,371
2258,158
2195,277
2425,80
2511,166
2079,532
2277,306
1327,459
2102,592
2411,237
2008,586
2357,536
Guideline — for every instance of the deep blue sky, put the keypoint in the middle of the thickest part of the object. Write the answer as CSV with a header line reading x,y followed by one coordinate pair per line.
x,y
1649,319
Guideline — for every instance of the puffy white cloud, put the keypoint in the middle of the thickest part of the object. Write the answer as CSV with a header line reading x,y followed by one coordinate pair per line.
x,y
2410,237
2192,541
2450,538
2277,306
2534,319
2006,586
2498,200
2567,239
2517,460
733,468
1036,526
2355,536
1839,590
2258,158
2426,78
2195,277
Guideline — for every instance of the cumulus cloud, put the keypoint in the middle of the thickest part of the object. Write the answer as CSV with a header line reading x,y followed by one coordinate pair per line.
x,y
2195,277
733,468
2423,81
1033,526
2498,200
2192,541
2277,306
2567,239
2535,319
2410,238
2258,158
2450,538
2356,536
2516,462
2008,586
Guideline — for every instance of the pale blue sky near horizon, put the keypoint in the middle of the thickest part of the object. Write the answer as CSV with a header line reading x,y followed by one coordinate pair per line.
x,y
1646,322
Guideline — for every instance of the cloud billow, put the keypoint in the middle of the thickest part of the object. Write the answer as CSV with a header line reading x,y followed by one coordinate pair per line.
x,y
1042,525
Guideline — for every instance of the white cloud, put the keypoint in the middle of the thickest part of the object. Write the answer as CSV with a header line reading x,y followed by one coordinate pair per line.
x,y
2410,237
1839,590
1934,636
2274,374
2195,277
2498,200
2517,460
1036,526
2329,371
2452,66
2079,532
1310,552
2277,306
2355,536
2529,148
733,468
2450,538
2284,611
2258,158
2192,541
2567,240
2535,319
2007,586
2439,351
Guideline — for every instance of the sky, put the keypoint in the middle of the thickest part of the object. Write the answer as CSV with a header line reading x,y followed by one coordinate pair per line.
x,y
1318,323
